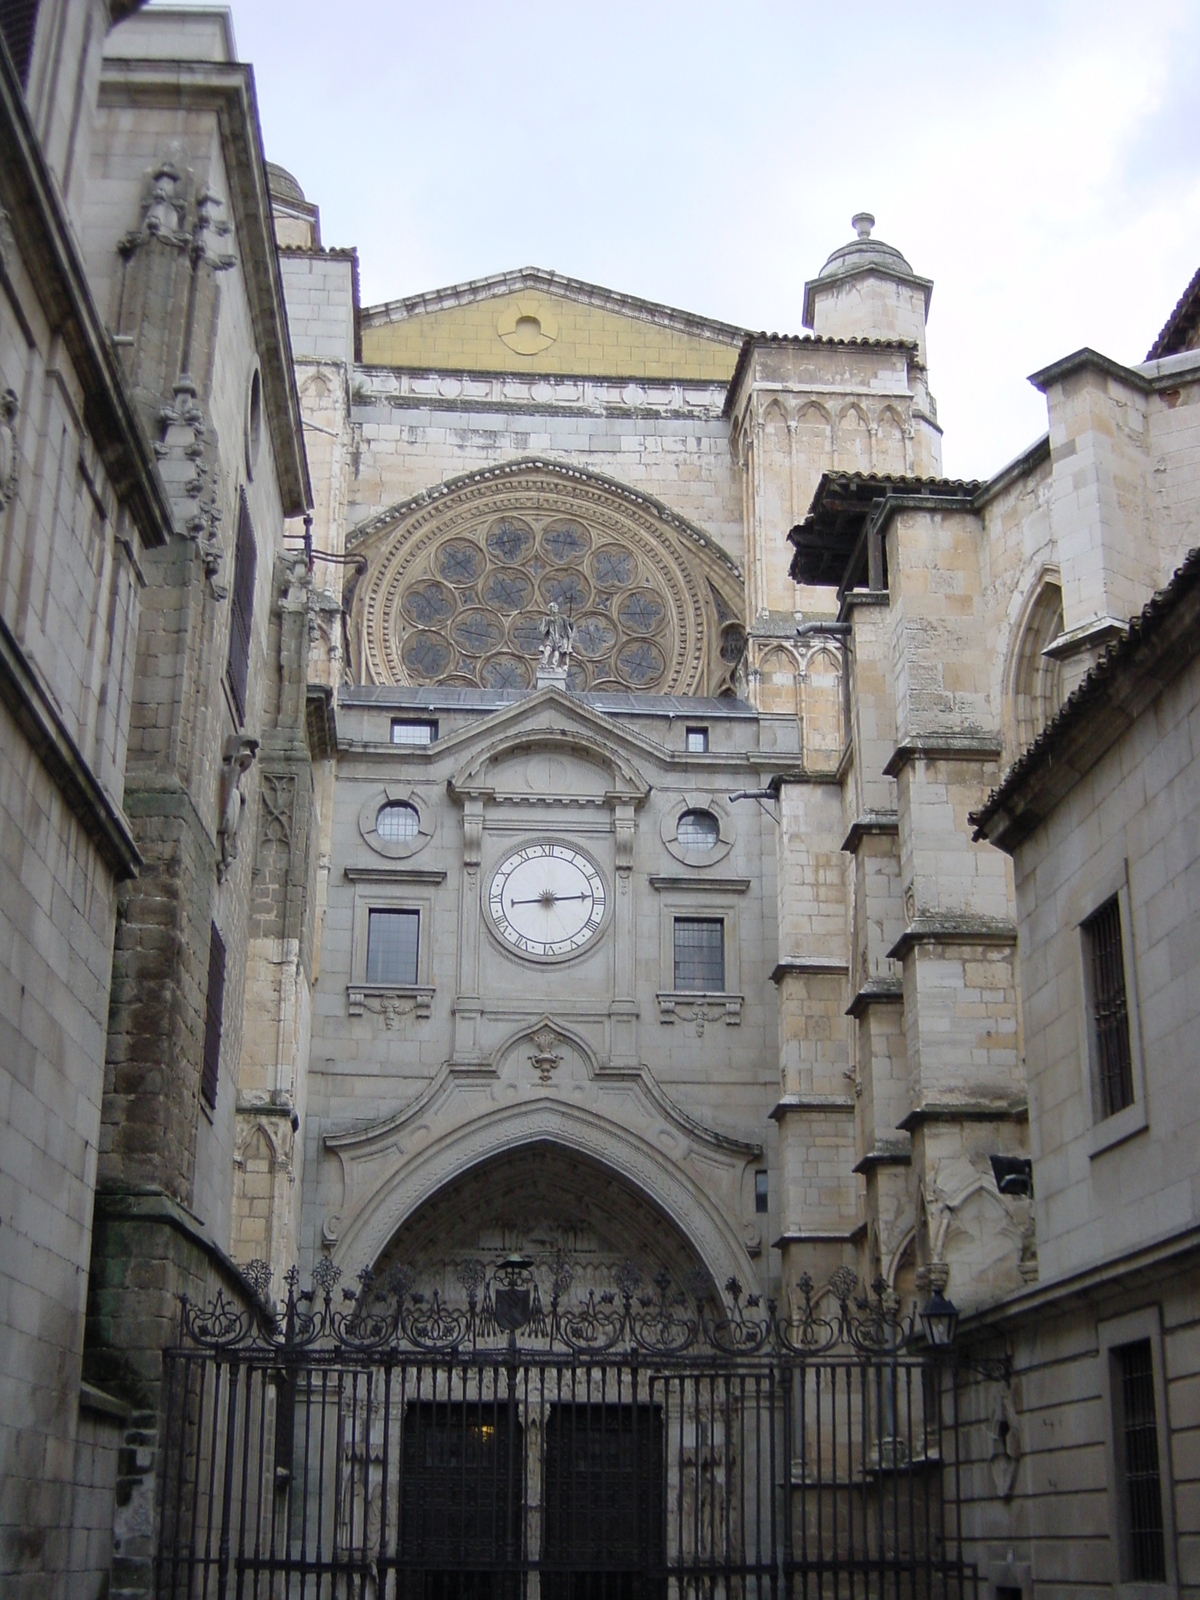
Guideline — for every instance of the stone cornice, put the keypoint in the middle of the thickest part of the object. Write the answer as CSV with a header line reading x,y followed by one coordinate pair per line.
x,y
227,90
39,721
1002,1108
697,882
876,992
811,966
1079,1288
873,822
42,233
970,746
887,1153
840,1103
953,928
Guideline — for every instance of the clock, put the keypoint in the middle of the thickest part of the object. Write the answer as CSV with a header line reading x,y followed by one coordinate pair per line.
x,y
547,901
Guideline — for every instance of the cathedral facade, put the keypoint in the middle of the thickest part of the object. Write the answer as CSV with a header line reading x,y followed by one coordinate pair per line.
x,y
523,773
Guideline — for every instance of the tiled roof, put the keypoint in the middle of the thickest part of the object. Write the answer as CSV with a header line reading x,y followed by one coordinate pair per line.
x,y
1182,322
1119,663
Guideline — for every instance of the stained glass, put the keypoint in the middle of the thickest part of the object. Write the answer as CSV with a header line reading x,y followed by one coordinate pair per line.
x,y
525,634
612,567
639,662
567,589
507,591
566,542
429,603
641,612
594,636
426,655
475,632
459,562
509,541
505,672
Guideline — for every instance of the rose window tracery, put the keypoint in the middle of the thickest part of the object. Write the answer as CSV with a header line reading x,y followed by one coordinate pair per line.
x,y
455,592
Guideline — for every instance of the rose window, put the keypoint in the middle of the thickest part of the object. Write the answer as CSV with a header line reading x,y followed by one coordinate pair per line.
x,y
471,609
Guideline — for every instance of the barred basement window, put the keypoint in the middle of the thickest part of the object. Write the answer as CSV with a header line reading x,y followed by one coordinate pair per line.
x,y
392,946
1111,1057
1139,1480
18,19
214,1009
241,615
700,954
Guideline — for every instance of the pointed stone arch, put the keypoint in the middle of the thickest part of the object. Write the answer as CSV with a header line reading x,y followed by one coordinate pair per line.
x,y
891,456
853,439
1034,688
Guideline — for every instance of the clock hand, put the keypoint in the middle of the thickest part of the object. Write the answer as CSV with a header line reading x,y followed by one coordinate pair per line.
x,y
558,898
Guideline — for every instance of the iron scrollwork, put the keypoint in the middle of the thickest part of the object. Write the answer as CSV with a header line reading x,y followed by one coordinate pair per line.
x,y
546,1307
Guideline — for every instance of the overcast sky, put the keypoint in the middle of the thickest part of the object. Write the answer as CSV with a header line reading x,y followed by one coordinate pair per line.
x,y
1041,163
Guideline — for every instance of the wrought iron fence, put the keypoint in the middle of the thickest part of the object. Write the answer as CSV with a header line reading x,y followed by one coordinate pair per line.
x,y
627,1442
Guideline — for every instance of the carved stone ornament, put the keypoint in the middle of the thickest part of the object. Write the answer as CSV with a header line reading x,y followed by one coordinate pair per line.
x,y
9,407
700,1009
544,1057
391,1003
237,757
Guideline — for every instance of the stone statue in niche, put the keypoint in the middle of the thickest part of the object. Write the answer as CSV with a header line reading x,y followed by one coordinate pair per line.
x,y
237,757
558,639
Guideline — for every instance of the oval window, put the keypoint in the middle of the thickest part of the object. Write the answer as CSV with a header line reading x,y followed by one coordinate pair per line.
x,y
397,822
698,830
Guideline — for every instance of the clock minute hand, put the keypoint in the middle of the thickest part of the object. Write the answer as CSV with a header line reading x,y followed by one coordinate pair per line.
x,y
558,899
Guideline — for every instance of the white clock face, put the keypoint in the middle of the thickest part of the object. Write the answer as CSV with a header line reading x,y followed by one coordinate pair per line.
x,y
547,900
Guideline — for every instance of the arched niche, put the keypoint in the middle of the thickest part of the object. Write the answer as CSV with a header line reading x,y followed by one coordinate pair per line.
x,y
459,578
1035,679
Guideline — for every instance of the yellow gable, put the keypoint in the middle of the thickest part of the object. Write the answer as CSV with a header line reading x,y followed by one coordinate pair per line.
x,y
532,330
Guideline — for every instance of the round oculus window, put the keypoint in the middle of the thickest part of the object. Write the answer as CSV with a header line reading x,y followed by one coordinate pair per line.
x,y
397,822
698,830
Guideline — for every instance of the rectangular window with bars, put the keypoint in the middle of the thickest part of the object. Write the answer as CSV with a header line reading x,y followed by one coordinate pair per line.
x,y
1139,1479
700,954
1109,1011
392,946
214,1010
241,612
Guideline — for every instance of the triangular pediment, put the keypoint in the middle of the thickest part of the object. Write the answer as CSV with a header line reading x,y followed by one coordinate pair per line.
x,y
555,723
534,321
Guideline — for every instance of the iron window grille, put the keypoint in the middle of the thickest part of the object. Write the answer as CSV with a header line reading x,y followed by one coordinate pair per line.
x,y
405,731
1136,1429
700,954
697,741
698,830
1109,1008
241,616
397,822
392,946
214,1010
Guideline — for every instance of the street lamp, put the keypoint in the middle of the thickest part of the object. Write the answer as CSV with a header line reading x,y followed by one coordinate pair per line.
x,y
939,1318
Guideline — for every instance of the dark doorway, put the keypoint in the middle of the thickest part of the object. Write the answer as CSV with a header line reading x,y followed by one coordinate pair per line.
x,y
603,1534
461,1501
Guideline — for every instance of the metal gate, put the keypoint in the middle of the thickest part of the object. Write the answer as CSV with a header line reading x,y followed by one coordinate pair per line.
x,y
634,1442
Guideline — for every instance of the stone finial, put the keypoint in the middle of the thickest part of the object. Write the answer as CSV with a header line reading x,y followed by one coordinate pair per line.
x,y
862,222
